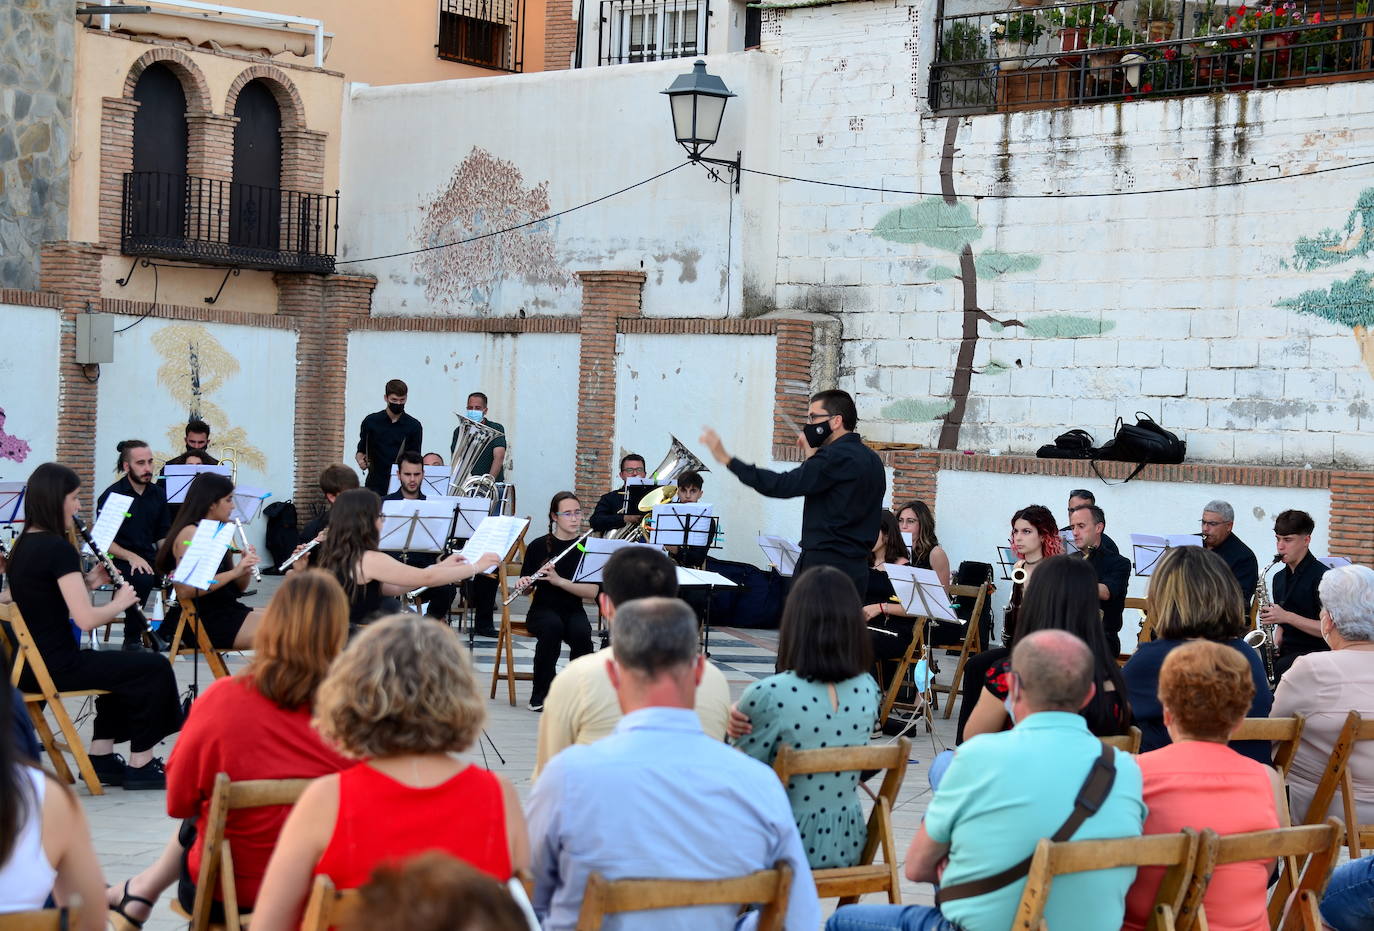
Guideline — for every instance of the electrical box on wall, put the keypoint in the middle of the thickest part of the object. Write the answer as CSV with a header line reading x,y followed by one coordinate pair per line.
x,y
94,339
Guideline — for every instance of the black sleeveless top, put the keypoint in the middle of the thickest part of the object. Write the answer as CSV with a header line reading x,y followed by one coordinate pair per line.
x,y
365,604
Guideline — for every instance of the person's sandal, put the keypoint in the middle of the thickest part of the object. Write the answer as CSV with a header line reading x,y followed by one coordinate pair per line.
x,y
120,920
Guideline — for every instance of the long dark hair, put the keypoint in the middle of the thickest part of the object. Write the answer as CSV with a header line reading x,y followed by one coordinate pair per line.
x,y
18,802
205,489
894,547
352,532
823,636
45,498
924,540
1062,595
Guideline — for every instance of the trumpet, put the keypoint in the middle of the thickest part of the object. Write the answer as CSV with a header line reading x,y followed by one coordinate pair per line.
x,y
1262,637
243,540
523,586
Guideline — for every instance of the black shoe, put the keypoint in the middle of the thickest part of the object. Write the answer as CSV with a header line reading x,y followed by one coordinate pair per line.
x,y
109,768
485,632
250,593
536,705
148,776
135,646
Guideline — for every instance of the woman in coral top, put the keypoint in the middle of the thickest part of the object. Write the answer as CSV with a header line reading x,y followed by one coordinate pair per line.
x,y
255,725
1199,782
405,697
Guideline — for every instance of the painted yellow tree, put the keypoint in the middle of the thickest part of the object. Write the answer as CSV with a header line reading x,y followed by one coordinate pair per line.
x,y
195,366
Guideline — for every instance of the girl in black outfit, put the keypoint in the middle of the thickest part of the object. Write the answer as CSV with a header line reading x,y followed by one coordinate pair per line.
x,y
48,587
889,628
229,622
556,615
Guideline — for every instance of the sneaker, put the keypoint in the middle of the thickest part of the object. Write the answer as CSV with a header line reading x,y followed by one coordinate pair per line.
x,y
109,768
536,705
148,776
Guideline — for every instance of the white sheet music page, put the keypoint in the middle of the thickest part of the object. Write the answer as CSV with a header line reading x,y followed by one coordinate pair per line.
x,y
494,535
698,577
415,526
1070,547
110,519
595,553
200,562
1184,539
781,552
920,592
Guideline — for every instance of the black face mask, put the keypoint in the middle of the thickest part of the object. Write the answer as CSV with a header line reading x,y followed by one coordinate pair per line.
x,y
816,433
395,408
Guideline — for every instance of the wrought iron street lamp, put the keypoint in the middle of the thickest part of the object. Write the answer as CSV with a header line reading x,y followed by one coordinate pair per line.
x,y
698,103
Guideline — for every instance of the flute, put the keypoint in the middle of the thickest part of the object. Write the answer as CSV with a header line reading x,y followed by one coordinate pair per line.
x,y
132,614
238,528
299,553
521,587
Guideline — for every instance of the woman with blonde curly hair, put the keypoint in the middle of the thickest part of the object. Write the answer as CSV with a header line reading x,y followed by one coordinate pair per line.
x,y
403,697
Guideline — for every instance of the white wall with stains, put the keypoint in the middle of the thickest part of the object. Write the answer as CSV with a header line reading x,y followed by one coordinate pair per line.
x,y
529,379
28,389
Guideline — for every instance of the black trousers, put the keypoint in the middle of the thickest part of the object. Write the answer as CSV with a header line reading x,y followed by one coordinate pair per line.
x,y
552,628
441,601
142,706
975,675
855,568
482,590
143,584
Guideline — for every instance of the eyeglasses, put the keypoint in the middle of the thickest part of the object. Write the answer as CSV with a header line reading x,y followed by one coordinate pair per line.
x,y
817,418
1213,523
577,513
633,471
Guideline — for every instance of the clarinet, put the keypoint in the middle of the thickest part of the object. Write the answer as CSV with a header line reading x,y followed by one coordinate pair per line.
x,y
132,614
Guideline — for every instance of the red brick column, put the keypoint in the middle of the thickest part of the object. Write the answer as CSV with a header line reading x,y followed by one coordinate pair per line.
x,y
116,158
302,160
914,473
606,296
210,145
324,310
560,36
792,386
72,271
1351,528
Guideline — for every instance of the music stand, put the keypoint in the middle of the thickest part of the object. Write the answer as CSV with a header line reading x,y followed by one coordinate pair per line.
x,y
198,567
703,578
433,485
1147,548
419,526
1006,558
1333,562
922,596
782,554
12,502
177,478
596,552
248,503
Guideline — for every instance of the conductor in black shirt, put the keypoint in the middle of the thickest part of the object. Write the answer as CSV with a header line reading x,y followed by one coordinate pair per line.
x,y
1218,519
1296,603
1113,570
841,479
385,434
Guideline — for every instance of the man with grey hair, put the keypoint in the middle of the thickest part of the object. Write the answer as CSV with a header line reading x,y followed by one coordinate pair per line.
x,y
1218,519
1004,792
658,798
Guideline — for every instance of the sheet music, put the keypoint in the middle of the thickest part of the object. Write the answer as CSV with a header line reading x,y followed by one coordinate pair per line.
x,y
682,524
177,478
12,502
780,552
690,578
1146,548
908,538
1334,562
641,480
597,552
434,484
494,535
248,503
202,559
415,526
110,519
920,592
1070,547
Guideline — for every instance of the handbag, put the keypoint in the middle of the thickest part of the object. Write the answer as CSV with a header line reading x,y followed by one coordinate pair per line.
x,y
1075,444
1143,442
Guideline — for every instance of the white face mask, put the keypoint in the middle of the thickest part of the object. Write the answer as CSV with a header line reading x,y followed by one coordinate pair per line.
x,y
1011,709
475,415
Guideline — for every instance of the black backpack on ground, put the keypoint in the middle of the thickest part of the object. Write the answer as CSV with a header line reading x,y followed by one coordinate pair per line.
x,y
282,535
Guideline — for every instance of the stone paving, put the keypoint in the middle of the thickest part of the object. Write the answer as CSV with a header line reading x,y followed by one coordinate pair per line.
x,y
130,828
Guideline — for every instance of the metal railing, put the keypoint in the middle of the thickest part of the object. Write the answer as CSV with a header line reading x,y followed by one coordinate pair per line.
x,y
645,30
218,222
486,33
1034,57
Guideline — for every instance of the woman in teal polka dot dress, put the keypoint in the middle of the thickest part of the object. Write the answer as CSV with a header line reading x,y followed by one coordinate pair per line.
x,y
821,696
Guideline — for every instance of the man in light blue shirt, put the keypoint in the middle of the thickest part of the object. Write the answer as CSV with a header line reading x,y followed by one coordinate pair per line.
x,y
658,798
1004,792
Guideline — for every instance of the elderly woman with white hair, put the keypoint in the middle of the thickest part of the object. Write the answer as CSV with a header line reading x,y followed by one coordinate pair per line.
x,y
1327,686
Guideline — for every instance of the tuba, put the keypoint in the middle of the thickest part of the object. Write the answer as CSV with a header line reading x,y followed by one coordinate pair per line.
x,y
678,460
473,438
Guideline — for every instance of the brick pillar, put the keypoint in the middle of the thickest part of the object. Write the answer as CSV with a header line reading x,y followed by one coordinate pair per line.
x,y
606,296
914,473
792,373
324,311
302,160
209,156
72,271
560,35
116,158
1351,527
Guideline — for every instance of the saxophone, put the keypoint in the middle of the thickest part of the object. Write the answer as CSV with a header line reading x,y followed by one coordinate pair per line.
x,y
1262,637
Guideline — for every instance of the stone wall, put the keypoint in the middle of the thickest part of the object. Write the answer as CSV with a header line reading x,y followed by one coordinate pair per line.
x,y
36,71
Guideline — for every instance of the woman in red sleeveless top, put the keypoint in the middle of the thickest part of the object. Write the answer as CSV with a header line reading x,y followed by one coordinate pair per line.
x,y
404,697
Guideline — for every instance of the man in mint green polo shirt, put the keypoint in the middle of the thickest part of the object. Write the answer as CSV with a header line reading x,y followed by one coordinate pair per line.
x,y
1004,792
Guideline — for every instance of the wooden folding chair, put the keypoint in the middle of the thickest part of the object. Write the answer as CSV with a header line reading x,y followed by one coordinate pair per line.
x,y
505,648
972,642
1147,627
216,859
1129,742
328,906
1181,853
45,919
1285,733
190,621
1307,854
1337,776
768,888
850,882
26,654
914,650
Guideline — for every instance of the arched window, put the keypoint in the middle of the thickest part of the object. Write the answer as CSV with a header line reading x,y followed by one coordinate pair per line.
x,y
255,206
157,187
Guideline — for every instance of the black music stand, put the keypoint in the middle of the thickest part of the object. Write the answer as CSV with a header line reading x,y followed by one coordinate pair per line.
x,y
1006,558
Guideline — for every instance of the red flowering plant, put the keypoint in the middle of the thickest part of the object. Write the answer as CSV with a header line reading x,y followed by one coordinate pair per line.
x,y
1263,19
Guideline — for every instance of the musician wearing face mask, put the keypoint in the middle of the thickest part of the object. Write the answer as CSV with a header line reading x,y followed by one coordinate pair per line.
x,y
841,480
492,461
385,434
1113,570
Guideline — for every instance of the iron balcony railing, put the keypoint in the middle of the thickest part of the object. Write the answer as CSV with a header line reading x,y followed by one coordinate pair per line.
x,y
645,30
486,33
218,222
1083,52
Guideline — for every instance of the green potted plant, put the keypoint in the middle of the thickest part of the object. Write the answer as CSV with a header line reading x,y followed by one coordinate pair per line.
x,y
961,64
1073,23
1108,37
1157,19
1013,36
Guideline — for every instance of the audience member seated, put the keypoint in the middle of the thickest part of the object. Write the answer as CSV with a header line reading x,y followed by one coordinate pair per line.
x,y
1348,904
581,706
1060,595
435,892
405,698
45,843
1327,686
658,798
822,696
1004,792
254,725
1198,782
1192,595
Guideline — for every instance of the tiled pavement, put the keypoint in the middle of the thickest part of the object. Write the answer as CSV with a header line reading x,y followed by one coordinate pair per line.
x,y
130,828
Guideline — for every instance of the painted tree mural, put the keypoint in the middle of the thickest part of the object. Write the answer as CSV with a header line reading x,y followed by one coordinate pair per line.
x,y
1348,301
195,365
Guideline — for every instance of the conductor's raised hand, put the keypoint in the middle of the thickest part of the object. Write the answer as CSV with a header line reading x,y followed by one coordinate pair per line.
x,y
711,440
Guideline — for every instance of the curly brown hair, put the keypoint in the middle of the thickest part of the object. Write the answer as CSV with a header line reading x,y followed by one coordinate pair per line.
x,y
434,892
1207,687
405,685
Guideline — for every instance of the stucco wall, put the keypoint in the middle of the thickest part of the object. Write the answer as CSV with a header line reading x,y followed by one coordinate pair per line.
x,y
28,390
